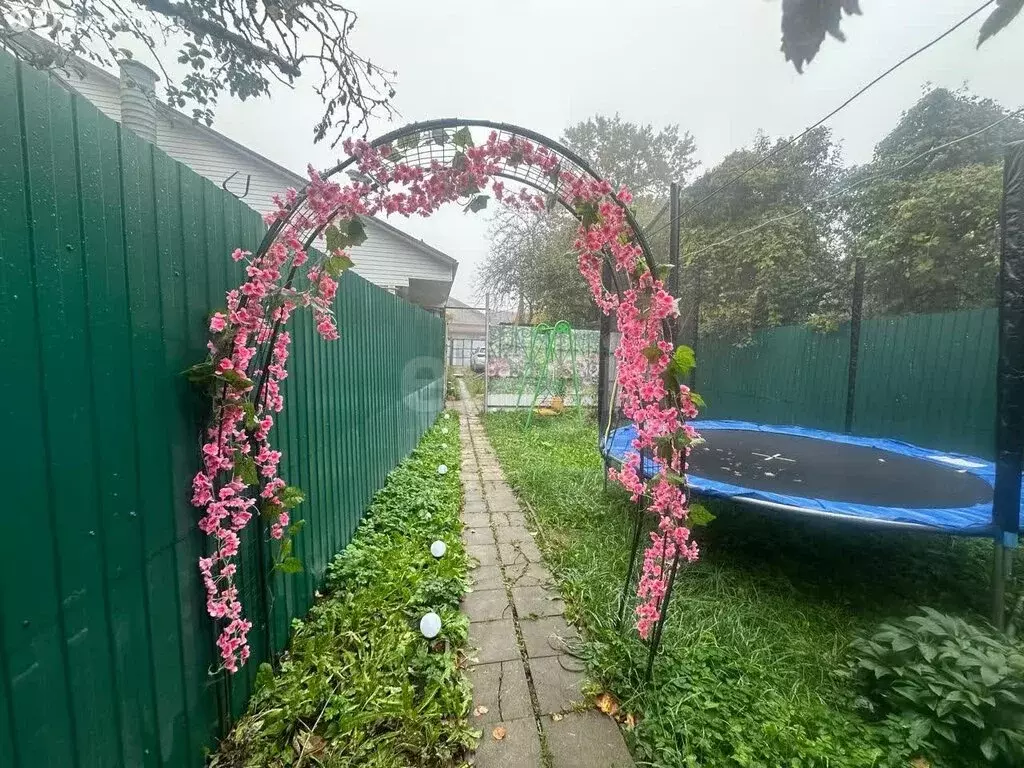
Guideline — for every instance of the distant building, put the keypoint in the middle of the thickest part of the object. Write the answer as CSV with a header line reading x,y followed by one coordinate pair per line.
x,y
467,328
389,258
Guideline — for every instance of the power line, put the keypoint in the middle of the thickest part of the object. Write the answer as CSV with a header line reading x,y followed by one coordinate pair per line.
x,y
843,190
830,115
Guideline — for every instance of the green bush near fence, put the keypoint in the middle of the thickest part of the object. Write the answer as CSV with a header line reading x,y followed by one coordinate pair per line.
x,y
359,685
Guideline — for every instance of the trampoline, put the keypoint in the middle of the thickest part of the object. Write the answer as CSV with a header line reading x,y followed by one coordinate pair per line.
x,y
865,480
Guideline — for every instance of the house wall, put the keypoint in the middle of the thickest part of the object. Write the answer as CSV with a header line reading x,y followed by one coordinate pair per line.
x,y
385,259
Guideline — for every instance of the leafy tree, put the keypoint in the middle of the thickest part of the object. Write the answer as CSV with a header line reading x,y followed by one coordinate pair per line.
x,y
530,261
638,156
783,273
805,23
942,116
238,47
929,232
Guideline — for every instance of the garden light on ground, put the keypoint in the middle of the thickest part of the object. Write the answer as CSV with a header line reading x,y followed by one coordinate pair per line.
x,y
430,625
442,469
438,548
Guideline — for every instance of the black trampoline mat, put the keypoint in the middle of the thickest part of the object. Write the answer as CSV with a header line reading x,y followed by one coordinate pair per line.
x,y
823,469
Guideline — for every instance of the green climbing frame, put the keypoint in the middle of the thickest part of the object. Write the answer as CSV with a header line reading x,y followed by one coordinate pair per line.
x,y
545,350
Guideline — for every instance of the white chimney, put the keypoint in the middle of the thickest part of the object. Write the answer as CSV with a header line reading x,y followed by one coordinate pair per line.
x,y
138,98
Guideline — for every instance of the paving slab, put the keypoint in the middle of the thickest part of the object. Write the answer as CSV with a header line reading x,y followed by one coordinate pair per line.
x,y
519,748
509,518
528,575
475,508
486,577
476,519
586,740
501,689
486,605
484,554
519,553
478,535
548,636
494,641
509,533
537,601
558,681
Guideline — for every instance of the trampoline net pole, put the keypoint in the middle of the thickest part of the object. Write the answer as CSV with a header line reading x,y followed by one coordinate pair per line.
x,y
1010,373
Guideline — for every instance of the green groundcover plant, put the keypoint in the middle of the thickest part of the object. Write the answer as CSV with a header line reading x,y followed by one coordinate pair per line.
x,y
953,690
359,684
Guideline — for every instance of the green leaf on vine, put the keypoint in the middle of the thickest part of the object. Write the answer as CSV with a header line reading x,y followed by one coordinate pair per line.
x,y
554,174
269,510
290,565
286,548
395,156
587,211
698,400
292,496
551,201
250,415
200,373
516,158
295,528
245,468
477,204
235,379
356,231
683,360
662,271
459,161
652,353
335,265
698,515
438,136
462,137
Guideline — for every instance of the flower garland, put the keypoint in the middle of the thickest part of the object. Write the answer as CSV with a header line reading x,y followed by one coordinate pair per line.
x,y
249,347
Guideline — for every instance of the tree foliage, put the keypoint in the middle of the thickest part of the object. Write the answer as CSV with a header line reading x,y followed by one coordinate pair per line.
x,y
531,264
228,46
806,22
783,273
644,159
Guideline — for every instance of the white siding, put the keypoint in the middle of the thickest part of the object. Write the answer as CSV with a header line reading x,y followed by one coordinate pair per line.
x,y
384,259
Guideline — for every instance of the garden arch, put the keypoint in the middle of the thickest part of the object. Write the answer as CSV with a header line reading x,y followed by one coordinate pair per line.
x,y
430,163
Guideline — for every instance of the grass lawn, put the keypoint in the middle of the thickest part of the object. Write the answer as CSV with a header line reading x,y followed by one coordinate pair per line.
x,y
757,627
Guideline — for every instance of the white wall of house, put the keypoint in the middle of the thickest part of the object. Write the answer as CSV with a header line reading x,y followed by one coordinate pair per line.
x,y
385,259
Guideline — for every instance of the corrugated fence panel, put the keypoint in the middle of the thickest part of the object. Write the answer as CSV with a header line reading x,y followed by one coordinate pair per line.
x,y
112,256
926,379
930,380
789,375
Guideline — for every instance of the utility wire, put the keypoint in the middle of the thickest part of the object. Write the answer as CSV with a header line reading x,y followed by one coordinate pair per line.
x,y
830,115
843,190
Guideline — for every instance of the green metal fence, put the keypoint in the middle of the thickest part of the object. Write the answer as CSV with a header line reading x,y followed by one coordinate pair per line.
x,y
111,257
927,379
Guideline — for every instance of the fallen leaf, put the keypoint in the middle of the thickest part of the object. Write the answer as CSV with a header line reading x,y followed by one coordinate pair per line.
x,y
607,703
498,733
557,717
629,721
920,762
481,710
309,744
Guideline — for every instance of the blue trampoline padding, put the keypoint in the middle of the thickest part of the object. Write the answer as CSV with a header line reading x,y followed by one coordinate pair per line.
x,y
971,520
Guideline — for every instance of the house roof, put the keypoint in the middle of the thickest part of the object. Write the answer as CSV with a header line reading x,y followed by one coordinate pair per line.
x,y
299,181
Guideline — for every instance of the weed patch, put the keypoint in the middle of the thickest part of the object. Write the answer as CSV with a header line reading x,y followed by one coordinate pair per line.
x,y
359,685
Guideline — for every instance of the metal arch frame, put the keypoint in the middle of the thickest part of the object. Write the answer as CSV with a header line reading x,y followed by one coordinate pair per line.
x,y
518,172
509,171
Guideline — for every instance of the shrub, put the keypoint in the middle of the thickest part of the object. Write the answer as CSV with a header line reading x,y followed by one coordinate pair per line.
x,y
953,690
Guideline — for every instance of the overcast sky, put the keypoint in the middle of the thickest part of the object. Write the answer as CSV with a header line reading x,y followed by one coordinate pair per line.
x,y
712,66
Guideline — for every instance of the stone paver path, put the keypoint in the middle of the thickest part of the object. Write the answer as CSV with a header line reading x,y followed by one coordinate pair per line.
x,y
524,682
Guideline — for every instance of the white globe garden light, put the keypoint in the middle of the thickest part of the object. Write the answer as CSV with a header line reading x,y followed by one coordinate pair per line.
x,y
442,469
438,548
430,625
